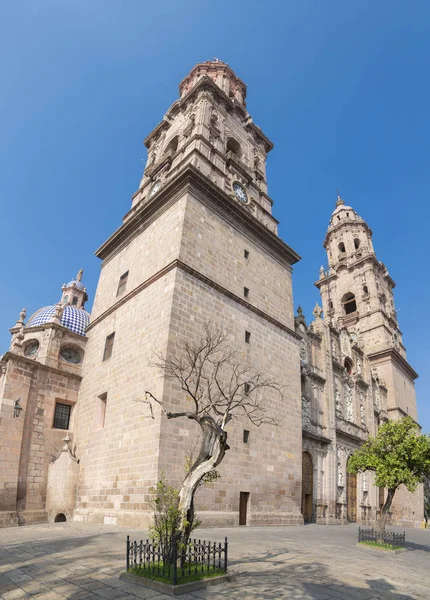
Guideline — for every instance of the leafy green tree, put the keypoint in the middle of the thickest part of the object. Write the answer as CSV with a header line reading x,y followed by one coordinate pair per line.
x,y
427,498
398,455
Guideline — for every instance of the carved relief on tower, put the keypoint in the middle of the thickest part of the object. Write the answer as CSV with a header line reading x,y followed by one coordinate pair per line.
x,y
306,413
348,401
337,397
345,343
362,409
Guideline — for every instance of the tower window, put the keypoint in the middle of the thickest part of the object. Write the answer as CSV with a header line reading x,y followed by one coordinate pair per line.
x,y
62,415
246,292
349,303
348,366
234,146
246,254
356,243
245,436
341,247
122,284
74,301
247,387
247,337
108,346
365,289
172,146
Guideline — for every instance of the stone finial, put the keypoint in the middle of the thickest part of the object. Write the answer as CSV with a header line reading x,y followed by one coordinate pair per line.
x,y
317,311
299,310
20,321
79,275
322,272
339,200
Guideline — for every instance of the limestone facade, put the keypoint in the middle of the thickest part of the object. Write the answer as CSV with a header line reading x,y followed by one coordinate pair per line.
x,y
198,245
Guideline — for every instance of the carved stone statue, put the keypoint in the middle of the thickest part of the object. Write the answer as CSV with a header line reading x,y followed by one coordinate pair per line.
x,y
365,483
377,398
337,401
345,343
362,410
339,474
317,311
349,411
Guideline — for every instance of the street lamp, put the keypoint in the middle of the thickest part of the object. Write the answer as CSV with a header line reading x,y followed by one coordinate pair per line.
x,y
17,408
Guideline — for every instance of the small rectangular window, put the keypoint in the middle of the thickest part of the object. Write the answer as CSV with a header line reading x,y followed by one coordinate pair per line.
x,y
122,284
247,337
247,387
246,253
108,346
246,292
245,436
62,415
101,410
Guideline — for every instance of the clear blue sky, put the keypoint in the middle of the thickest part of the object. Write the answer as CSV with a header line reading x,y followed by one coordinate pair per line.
x,y
342,89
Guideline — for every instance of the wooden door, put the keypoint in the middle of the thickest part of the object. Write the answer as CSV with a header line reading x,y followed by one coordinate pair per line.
x,y
243,507
307,487
351,497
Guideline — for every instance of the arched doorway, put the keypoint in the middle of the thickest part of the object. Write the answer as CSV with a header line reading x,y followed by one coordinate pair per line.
x,y
351,497
307,487
60,518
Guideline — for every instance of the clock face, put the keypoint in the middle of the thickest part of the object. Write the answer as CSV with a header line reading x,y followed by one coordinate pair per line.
x,y
155,188
70,355
31,349
240,192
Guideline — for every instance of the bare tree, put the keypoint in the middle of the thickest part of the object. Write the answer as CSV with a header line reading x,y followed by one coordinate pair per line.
x,y
220,387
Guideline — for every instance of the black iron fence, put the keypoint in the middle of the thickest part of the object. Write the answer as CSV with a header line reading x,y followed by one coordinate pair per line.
x,y
197,559
389,537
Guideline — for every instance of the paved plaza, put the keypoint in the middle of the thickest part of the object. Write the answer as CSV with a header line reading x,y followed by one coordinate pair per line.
x,y
82,562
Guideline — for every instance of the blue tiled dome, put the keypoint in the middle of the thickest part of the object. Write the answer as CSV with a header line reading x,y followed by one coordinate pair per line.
x,y
77,284
75,319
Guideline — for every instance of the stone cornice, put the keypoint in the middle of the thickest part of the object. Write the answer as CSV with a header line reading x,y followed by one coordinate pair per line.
x,y
397,358
403,413
206,82
346,222
314,436
177,264
189,179
37,365
51,325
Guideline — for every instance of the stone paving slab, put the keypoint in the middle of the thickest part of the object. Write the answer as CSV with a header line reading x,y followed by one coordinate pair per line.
x,y
79,561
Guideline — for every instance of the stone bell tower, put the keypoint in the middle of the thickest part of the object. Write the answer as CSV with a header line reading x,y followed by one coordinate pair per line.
x,y
358,300
198,245
357,294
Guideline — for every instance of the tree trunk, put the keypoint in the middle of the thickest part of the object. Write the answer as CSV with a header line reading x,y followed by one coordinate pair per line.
x,y
380,526
212,451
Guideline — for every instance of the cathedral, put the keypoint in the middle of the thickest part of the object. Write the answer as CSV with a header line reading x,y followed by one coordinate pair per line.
x,y
200,245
